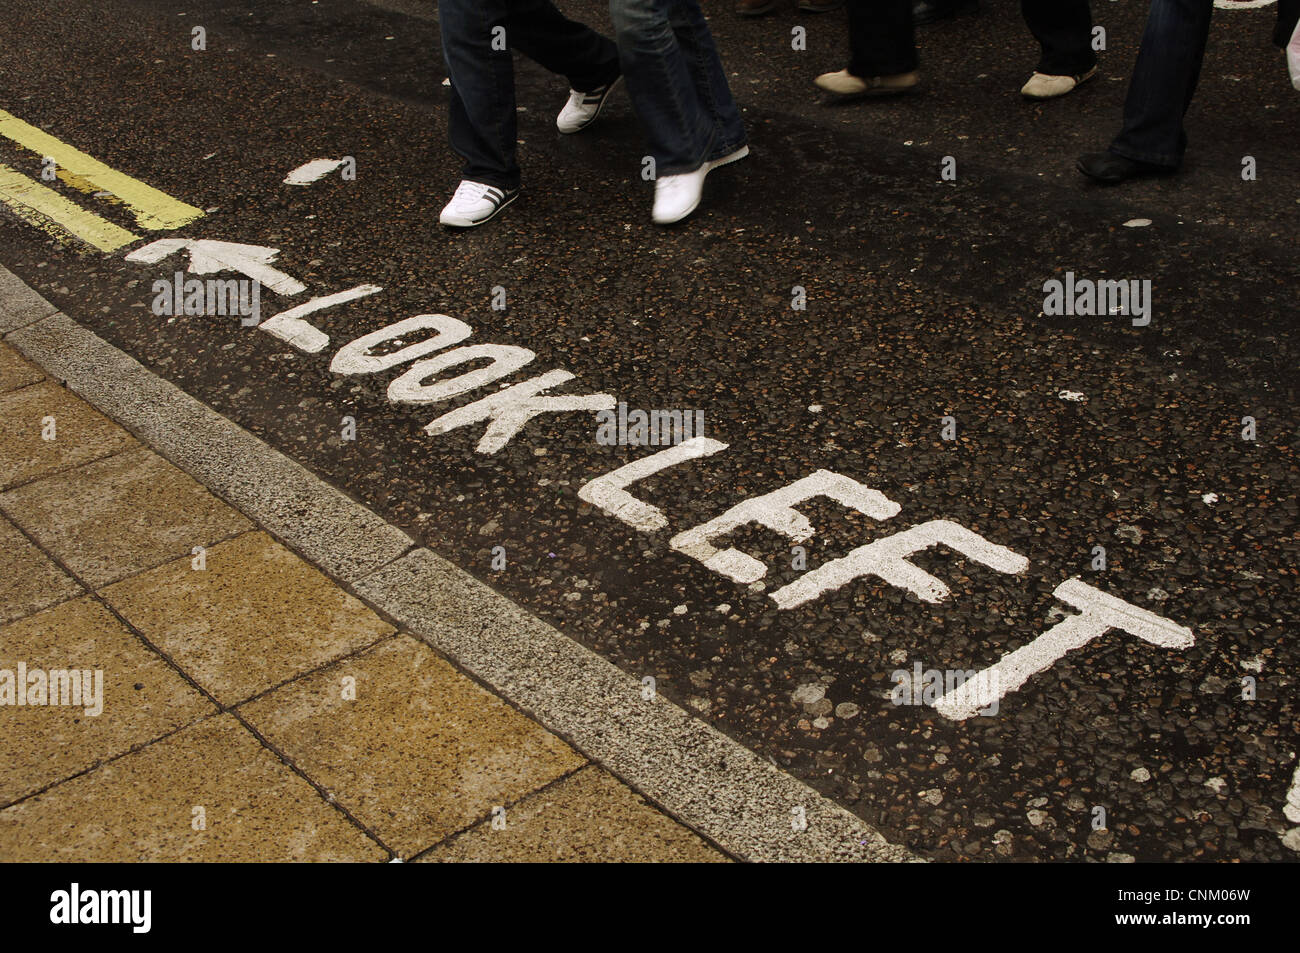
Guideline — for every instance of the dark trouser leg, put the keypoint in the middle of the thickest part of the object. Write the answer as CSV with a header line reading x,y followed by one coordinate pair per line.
x,y
1288,12
482,117
663,78
543,34
1164,81
711,87
882,38
1063,29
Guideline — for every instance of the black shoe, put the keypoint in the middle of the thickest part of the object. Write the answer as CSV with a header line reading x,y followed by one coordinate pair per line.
x,y
1111,169
932,11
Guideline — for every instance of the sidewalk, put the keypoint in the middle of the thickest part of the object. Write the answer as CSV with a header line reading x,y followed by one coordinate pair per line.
x,y
252,710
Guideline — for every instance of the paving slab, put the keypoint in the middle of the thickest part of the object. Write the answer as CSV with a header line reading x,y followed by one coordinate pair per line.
x,y
590,817
44,429
422,751
114,517
142,697
257,615
147,805
335,532
29,580
710,781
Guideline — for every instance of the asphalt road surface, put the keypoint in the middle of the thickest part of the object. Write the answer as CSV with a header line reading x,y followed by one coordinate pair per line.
x,y
1035,448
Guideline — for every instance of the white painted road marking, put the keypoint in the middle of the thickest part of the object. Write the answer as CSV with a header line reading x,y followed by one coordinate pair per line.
x,y
609,492
355,357
312,171
290,327
1292,809
887,559
508,410
776,511
1098,614
504,359
207,257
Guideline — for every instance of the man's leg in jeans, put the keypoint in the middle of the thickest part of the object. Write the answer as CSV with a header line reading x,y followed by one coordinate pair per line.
x,y
545,35
659,81
482,117
1063,29
708,76
1288,12
1164,80
882,38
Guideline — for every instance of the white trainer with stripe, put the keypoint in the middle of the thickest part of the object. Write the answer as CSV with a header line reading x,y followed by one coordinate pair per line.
x,y
582,108
475,203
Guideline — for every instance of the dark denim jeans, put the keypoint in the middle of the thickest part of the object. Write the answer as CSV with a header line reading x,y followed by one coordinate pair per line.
x,y
482,115
1288,12
676,82
1063,29
882,38
1164,80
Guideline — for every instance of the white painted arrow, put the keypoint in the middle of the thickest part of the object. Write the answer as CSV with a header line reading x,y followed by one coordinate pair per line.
x,y
207,257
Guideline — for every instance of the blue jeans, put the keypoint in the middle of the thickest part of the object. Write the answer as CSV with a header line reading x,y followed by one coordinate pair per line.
x,y
1164,80
675,80
482,115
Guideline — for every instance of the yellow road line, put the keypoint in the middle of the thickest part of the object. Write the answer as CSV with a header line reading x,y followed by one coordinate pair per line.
x,y
153,210
51,212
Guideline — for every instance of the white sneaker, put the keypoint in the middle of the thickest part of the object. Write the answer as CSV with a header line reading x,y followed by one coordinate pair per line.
x,y
475,203
582,108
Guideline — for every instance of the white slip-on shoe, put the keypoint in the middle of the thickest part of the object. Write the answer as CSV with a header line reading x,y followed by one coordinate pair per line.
x,y
582,108
475,203
1046,86
845,84
677,196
